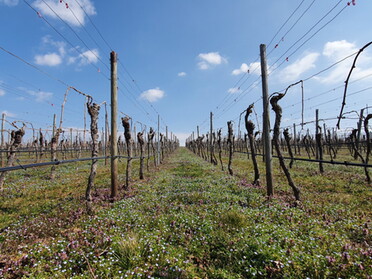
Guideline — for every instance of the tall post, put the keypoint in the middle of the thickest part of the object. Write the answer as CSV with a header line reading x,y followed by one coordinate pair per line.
x,y
197,131
114,116
211,137
359,131
103,140
54,124
85,119
266,122
325,130
71,137
134,137
158,143
2,139
106,133
294,138
316,132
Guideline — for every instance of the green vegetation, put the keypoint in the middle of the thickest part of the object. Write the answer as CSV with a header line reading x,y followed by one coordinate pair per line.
x,y
187,220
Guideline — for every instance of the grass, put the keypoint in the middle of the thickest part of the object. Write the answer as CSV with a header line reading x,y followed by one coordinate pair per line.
x,y
189,220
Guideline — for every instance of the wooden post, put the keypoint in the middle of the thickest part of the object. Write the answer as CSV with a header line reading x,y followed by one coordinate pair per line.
x,y
359,131
106,133
114,116
316,132
2,139
294,138
211,137
134,137
103,140
158,143
85,119
266,123
54,124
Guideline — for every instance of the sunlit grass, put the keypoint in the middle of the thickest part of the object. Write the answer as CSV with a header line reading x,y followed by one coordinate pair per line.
x,y
191,220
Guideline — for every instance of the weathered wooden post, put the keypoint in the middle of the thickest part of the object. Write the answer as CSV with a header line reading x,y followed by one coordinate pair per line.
x,y
114,115
54,124
266,123
158,143
294,138
359,132
316,132
211,137
2,139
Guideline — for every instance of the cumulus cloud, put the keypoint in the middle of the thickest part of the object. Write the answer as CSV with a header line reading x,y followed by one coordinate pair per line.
x,y
9,3
337,50
300,66
233,90
152,95
253,68
2,92
181,74
61,46
210,59
85,58
53,58
63,10
41,96
62,54
89,57
49,59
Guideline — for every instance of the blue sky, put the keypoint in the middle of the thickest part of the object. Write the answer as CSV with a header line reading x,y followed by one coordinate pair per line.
x,y
182,59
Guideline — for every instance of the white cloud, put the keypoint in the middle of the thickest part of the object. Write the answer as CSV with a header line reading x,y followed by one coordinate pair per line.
x,y
296,69
50,59
243,69
152,95
2,92
210,59
89,57
233,90
63,11
47,40
85,58
253,68
182,74
203,65
9,114
9,3
41,96
337,50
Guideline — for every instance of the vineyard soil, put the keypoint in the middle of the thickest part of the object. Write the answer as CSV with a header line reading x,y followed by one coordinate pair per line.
x,y
187,219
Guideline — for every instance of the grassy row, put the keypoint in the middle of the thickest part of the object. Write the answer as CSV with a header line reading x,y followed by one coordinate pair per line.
x,y
191,220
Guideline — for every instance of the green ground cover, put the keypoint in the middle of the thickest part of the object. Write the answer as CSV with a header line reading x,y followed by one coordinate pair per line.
x,y
187,220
